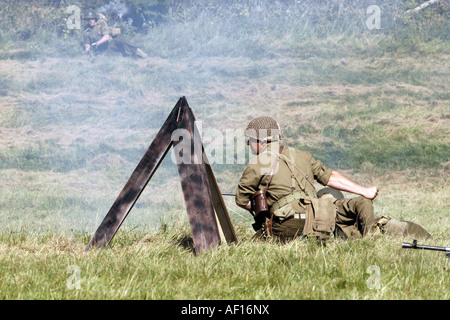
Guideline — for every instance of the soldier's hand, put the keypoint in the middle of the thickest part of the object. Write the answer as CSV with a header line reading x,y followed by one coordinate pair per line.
x,y
370,192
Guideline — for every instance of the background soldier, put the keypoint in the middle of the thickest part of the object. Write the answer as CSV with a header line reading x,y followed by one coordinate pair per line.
x,y
292,198
98,38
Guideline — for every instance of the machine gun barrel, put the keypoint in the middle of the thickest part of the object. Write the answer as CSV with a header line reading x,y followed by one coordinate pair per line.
x,y
414,245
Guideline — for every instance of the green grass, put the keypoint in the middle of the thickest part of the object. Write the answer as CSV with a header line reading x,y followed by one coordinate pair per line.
x,y
162,266
372,104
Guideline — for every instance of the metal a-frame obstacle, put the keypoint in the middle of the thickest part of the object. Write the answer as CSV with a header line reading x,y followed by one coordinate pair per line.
x,y
207,213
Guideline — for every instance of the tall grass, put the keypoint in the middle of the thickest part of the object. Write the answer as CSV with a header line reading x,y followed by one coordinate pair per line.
x,y
373,103
163,267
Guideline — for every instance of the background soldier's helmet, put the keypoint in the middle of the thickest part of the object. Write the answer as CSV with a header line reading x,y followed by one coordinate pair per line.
x,y
264,129
90,15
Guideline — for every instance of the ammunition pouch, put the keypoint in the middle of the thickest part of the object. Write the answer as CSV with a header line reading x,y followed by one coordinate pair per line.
x,y
259,202
294,208
320,216
259,206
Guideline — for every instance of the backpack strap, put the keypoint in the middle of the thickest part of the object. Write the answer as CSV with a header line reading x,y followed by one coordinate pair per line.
x,y
270,222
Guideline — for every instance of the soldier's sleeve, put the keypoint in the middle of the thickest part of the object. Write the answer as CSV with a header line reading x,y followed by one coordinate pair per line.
x,y
86,38
321,172
104,28
247,186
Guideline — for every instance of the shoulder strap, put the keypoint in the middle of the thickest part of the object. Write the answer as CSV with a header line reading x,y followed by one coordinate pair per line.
x,y
273,169
291,163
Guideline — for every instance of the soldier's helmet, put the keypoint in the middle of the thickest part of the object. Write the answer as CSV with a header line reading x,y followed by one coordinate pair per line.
x,y
263,128
90,15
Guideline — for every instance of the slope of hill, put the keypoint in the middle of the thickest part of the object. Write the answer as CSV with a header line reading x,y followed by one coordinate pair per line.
x,y
373,104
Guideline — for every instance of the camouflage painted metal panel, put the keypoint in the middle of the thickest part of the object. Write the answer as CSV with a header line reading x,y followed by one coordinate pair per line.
x,y
220,207
195,185
136,183
200,189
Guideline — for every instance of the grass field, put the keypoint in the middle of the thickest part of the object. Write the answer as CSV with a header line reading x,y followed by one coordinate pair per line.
x,y
373,104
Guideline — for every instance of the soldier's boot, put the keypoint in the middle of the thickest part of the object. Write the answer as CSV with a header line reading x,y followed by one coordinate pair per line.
x,y
141,53
417,231
395,227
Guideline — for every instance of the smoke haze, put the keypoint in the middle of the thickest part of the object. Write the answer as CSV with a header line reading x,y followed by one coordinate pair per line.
x,y
74,127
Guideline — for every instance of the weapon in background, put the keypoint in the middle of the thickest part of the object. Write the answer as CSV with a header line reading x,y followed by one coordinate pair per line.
x,y
229,194
234,195
414,245
90,54
258,221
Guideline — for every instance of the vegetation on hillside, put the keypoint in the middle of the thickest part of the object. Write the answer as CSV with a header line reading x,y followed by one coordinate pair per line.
x,y
373,103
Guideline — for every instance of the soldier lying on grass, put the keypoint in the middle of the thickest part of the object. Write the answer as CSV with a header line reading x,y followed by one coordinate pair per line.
x,y
280,180
98,38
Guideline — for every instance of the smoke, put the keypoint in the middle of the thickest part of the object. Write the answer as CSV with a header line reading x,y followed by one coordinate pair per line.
x,y
126,14
83,125
116,7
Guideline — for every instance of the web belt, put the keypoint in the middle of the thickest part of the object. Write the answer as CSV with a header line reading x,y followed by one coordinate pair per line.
x,y
287,199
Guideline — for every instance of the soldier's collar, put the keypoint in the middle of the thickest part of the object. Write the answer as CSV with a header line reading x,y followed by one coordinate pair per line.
x,y
274,147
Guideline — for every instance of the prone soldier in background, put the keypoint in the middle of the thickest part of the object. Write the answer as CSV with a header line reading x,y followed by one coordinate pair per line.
x,y
100,38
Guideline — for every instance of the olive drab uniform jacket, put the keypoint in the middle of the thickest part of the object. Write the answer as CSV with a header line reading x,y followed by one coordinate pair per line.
x,y
295,207
95,33
293,179
255,175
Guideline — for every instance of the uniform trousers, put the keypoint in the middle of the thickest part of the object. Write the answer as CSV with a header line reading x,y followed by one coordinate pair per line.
x,y
354,218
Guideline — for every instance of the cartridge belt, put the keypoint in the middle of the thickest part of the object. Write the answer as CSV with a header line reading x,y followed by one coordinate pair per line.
x,y
287,199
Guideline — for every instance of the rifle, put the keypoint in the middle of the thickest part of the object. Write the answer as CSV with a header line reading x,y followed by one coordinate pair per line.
x,y
91,55
414,245
259,220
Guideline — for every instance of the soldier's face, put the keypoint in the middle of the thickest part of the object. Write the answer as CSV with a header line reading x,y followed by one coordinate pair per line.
x,y
92,22
255,145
